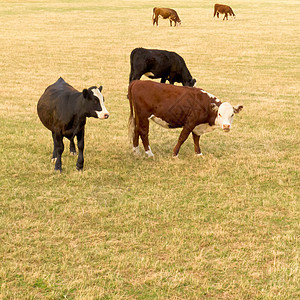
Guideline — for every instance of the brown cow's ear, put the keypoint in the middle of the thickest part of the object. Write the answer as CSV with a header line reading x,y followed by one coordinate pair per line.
x,y
214,107
237,109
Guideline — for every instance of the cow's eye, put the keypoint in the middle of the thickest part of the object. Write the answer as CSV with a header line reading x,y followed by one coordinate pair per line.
x,y
220,115
232,115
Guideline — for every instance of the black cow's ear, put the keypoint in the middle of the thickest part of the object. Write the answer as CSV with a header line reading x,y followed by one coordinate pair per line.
x,y
85,93
100,88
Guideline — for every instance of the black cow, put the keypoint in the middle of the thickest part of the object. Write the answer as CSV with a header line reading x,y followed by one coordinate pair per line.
x,y
63,110
159,64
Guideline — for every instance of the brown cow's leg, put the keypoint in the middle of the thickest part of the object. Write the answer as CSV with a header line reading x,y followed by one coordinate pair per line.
x,y
171,23
196,139
135,139
144,132
182,137
225,17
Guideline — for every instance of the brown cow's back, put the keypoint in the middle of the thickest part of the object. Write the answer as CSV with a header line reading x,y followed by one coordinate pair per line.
x,y
165,13
177,105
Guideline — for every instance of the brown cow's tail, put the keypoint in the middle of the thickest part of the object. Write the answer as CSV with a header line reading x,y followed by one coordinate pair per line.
x,y
153,16
215,10
231,11
131,120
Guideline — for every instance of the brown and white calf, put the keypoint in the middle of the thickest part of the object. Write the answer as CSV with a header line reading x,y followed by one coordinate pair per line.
x,y
192,109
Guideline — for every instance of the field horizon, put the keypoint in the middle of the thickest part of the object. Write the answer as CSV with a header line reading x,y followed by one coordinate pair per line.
x,y
225,226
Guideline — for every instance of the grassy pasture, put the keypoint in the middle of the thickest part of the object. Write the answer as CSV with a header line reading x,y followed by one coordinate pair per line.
x,y
222,227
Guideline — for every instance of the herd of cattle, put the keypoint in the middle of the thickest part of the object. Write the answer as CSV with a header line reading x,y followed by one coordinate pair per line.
x,y
171,14
63,109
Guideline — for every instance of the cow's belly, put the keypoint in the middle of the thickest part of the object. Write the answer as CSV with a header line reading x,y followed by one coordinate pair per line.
x,y
203,128
159,121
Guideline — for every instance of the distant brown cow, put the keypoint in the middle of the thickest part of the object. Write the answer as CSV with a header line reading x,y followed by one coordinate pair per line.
x,y
223,9
165,13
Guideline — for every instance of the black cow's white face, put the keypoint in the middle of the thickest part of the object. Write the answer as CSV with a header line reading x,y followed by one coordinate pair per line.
x,y
95,103
102,114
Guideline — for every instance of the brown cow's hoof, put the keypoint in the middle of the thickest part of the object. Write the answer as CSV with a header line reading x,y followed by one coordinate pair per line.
x,y
199,155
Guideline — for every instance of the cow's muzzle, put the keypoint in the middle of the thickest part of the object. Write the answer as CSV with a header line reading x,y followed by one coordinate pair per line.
x,y
226,127
102,115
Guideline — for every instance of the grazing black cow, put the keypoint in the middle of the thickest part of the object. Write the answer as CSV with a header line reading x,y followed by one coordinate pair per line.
x,y
63,110
159,64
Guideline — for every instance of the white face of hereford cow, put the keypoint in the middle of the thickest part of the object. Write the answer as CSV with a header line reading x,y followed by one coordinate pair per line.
x,y
225,115
103,114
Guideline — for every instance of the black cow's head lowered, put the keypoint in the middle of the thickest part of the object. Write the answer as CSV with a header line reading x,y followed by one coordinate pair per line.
x,y
191,82
94,104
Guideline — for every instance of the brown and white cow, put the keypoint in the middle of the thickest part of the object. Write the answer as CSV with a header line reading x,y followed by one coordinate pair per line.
x,y
223,9
165,13
192,109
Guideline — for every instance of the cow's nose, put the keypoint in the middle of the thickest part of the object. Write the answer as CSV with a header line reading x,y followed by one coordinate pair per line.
x,y
106,116
226,127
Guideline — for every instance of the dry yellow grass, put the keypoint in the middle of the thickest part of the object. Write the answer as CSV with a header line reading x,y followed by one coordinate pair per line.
x,y
222,227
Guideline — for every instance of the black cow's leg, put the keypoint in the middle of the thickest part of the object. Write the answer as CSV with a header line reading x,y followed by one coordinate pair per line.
x,y
54,154
58,141
163,80
72,147
196,139
171,80
134,76
182,137
80,145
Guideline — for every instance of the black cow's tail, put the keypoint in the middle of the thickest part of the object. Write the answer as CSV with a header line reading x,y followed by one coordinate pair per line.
x,y
131,120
